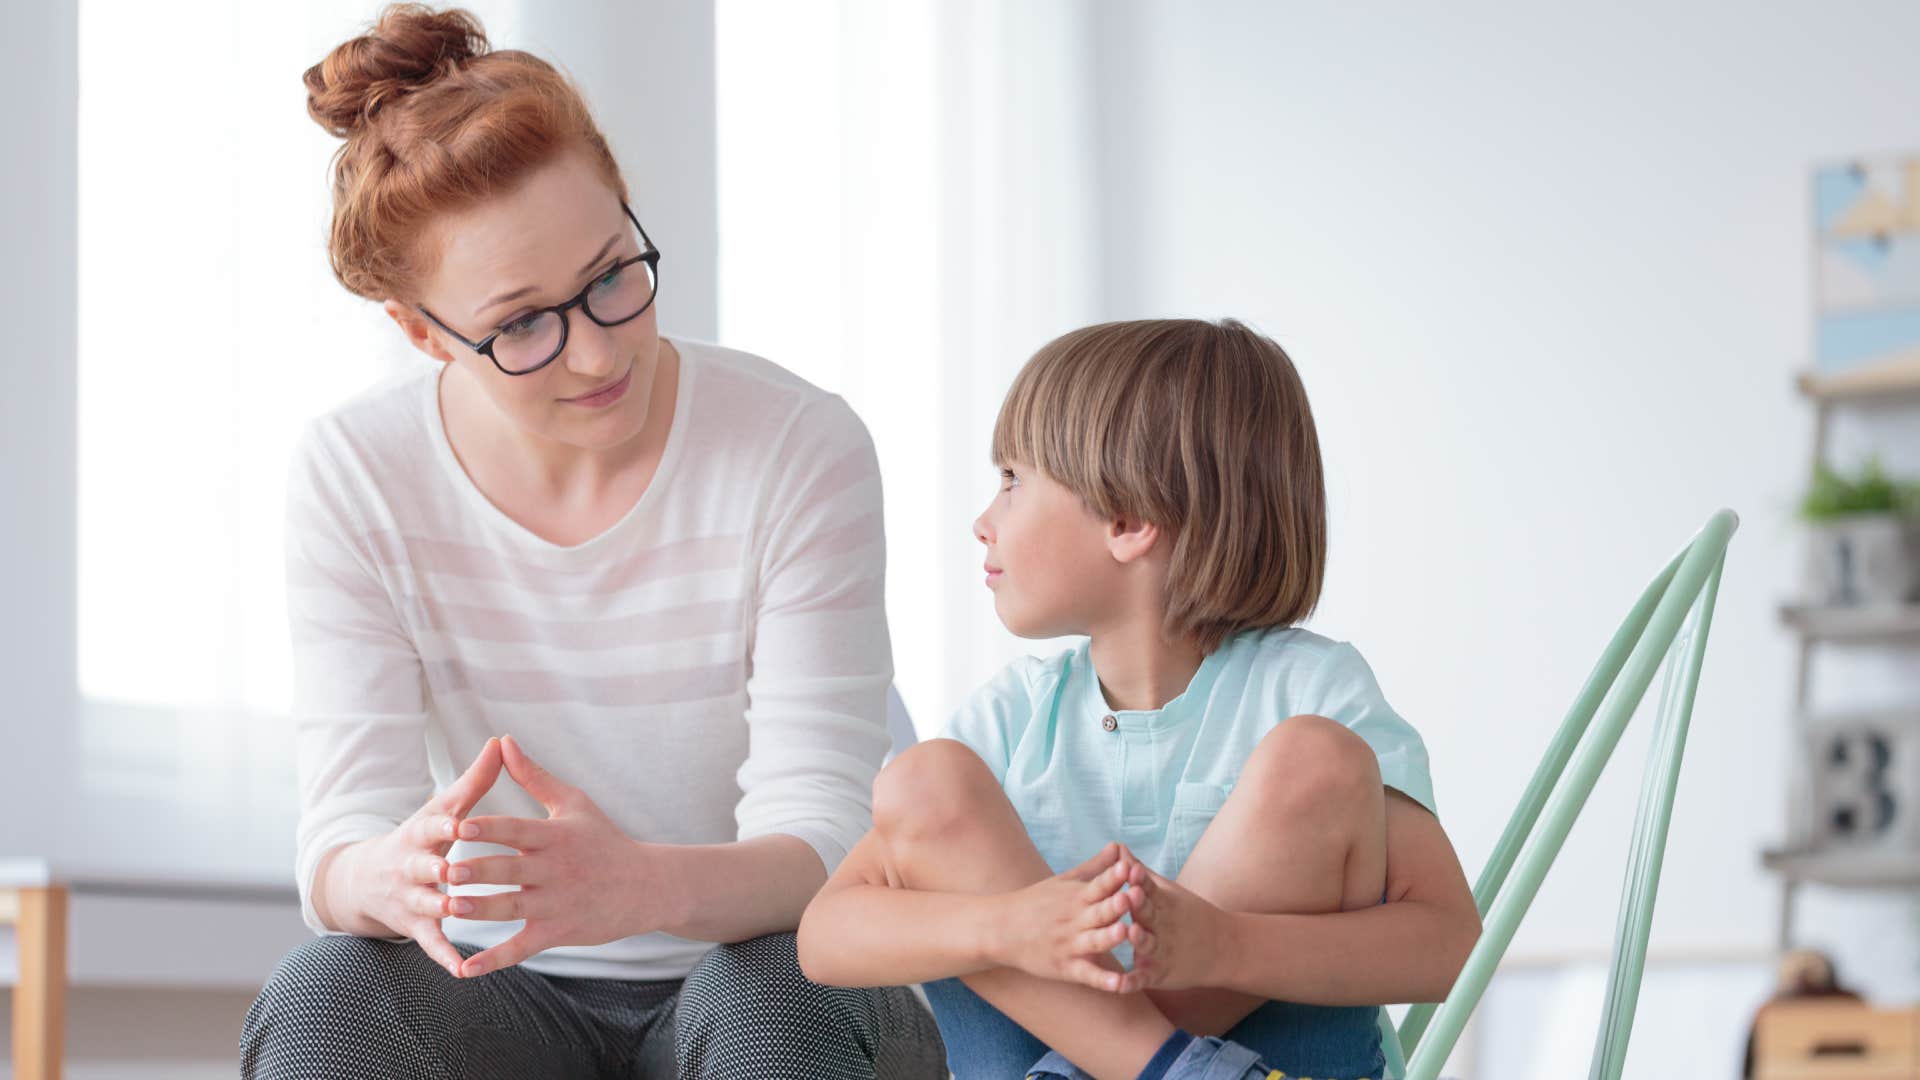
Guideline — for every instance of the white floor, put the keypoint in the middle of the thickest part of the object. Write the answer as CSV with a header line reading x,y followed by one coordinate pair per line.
x,y
1692,1021
145,1034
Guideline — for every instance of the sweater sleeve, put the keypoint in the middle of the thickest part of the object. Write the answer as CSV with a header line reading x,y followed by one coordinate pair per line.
x,y
358,705
820,659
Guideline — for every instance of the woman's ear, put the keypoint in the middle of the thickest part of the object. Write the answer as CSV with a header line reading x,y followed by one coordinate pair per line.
x,y
1130,539
418,330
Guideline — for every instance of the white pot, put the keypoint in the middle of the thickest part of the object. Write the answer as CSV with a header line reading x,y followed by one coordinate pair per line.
x,y
1861,559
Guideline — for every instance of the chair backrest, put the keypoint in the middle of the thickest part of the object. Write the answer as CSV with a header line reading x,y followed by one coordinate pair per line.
x,y
1652,633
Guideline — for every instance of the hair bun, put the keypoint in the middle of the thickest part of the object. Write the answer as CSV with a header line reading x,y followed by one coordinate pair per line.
x,y
408,47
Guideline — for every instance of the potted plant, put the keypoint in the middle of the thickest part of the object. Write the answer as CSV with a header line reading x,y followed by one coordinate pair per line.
x,y
1861,546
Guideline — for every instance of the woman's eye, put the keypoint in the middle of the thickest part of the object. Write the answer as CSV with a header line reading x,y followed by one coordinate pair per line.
x,y
608,279
519,327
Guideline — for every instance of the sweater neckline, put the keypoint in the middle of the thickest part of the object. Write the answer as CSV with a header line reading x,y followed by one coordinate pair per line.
x,y
486,508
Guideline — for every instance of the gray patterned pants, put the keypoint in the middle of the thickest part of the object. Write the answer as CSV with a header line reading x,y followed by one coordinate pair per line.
x,y
347,1008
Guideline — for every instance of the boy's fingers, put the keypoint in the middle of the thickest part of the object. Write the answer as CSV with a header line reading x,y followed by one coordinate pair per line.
x,y
1104,883
1146,943
1088,973
1090,869
1099,940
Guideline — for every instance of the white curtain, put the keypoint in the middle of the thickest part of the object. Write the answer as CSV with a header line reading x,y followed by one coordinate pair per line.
x,y
904,217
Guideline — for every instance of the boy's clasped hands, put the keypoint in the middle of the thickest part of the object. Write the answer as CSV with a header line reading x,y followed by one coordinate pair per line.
x,y
1065,927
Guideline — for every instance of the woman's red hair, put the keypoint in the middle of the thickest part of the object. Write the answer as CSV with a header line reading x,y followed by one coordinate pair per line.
x,y
434,121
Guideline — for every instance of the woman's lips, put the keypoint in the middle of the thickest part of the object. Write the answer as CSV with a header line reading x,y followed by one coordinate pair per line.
x,y
605,396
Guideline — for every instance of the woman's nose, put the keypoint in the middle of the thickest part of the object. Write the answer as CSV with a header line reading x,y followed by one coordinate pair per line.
x,y
590,347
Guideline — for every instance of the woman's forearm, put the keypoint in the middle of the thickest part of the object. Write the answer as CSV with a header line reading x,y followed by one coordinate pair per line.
x,y
1405,951
873,935
732,892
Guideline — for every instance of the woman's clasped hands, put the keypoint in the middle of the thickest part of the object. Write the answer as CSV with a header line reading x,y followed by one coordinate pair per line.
x,y
581,880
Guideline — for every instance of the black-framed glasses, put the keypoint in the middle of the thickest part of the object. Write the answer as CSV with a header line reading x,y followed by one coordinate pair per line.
x,y
620,294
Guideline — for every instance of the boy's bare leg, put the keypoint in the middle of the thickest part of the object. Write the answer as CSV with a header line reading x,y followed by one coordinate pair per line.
x,y
1304,831
946,826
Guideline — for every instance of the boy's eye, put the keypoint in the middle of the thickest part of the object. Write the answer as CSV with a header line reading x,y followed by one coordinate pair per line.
x,y
1007,479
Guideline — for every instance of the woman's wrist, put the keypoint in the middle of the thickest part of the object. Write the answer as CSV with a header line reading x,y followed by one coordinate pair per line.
x,y
662,872
332,892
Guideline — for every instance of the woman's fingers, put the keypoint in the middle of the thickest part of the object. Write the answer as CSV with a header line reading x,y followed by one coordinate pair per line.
x,y
423,901
523,834
494,870
545,787
504,955
430,831
493,907
460,796
435,944
426,868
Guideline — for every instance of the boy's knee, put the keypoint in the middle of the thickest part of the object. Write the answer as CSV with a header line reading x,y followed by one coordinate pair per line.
x,y
932,787
1309,762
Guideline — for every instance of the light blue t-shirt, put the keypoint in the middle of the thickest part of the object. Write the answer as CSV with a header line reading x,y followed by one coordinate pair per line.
x,y
1154,779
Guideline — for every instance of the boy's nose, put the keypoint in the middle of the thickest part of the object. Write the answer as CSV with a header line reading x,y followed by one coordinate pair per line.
x,y
980,531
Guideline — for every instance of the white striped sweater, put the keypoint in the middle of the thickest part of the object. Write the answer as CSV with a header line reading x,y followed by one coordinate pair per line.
x,y
713,667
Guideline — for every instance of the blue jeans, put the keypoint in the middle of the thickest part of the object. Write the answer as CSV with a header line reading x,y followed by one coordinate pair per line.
x,y
1299,1040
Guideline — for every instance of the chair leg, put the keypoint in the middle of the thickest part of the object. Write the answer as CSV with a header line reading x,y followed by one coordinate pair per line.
x,y
40,995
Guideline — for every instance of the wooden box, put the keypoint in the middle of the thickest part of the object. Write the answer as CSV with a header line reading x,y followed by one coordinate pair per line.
x,y
1839,1040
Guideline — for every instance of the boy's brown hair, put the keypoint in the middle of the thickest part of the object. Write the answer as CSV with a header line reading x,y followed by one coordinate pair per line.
x,y
1201,428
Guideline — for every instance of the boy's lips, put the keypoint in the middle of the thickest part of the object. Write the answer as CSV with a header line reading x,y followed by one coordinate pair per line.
x,y
993,573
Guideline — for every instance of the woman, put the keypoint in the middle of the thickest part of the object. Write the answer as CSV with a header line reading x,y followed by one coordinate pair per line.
x,y
655,565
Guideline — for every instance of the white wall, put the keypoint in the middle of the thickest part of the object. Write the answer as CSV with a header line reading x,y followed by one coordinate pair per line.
x,y
37,528
1546,276
152,790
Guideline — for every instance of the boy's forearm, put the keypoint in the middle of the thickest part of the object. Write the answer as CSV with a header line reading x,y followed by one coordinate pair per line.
x,y
1406,951
874,935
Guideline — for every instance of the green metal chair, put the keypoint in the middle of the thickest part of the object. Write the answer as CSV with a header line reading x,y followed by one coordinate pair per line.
x,y
1651,634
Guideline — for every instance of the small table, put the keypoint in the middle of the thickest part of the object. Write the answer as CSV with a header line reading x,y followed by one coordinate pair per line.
x,y
36,907
44,900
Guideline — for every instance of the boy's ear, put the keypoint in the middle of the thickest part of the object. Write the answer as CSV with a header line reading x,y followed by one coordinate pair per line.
x,y
1130,539
418,330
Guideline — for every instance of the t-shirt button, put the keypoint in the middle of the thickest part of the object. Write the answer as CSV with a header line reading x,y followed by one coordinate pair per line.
x,y
1110,724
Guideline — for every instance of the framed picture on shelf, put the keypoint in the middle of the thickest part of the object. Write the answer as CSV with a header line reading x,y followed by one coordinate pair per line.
x,y
1867,264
